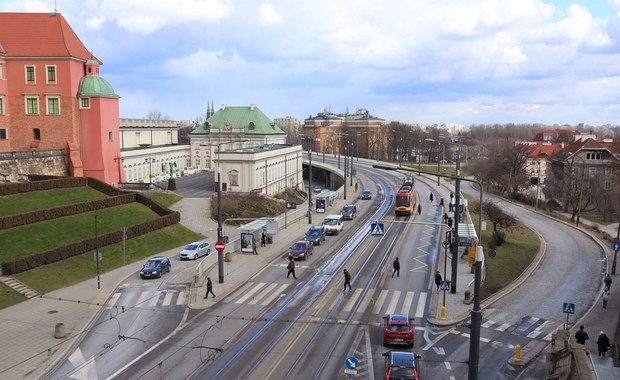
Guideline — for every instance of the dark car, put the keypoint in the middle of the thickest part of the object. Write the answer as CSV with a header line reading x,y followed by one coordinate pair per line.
x,y
366,194
398,329
155,267
349,212
316,235
401,365
301,250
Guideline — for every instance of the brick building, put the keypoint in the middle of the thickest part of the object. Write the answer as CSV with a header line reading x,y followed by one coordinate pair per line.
x,y
53,99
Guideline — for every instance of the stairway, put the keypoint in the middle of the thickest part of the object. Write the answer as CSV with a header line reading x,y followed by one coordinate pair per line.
x,y
19,287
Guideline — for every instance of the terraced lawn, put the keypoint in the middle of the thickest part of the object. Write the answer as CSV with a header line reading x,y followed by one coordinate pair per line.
x,y
40,200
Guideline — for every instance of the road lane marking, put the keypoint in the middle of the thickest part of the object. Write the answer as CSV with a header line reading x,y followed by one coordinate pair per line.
x,y
407,303
273,295
503,327
267,292
379,302
393,302
419,313
351,301
250,293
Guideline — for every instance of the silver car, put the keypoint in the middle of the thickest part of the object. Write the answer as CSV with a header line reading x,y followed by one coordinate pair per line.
x,y
194,250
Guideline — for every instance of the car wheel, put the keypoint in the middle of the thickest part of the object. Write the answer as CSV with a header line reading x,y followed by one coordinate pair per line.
x,y
208,252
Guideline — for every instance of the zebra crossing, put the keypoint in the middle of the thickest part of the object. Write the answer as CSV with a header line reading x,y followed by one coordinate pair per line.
x,y
146,298
529,326
380,301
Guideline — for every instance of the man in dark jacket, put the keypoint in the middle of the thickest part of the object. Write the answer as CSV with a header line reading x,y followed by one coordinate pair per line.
x,y
581,336
438,279
209,288
603,344
396,268
347,281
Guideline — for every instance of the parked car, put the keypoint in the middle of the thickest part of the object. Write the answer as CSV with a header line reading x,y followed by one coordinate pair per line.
x,y
194,250
398,329
301,250
366,194
401,365
316,235
349,212
155,267
317,189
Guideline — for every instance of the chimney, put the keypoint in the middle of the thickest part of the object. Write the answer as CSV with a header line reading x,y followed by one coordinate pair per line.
x,y
252,106
223,107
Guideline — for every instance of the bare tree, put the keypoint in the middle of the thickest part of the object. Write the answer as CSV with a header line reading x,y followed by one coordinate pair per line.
x,y
156,115
499,219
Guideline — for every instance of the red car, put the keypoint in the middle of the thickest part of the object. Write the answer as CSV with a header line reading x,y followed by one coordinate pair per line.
x,y
398,329
301,250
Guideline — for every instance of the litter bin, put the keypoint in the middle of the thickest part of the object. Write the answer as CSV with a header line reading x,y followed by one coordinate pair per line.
x,y
467,297
59,331
227,257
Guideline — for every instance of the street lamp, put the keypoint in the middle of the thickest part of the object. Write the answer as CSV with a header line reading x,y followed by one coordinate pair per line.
x,y
310,141
537,185
438,158
150,160
97,251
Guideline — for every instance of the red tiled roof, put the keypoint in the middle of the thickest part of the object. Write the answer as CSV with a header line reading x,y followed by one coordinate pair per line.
x,y
39,35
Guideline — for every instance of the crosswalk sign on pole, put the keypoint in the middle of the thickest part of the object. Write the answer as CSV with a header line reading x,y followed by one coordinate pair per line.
x,y
444,285
568,308
376,229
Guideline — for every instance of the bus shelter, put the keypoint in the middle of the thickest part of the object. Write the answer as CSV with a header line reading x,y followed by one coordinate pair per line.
x,y
252,232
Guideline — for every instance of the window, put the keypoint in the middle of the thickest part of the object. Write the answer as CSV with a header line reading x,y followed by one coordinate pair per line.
x,y
36,133
51,74
593,156
30,75
234,178
592,172
53,106
32,105
3,134
607,185
84,102
608,171
110,136
1,105
0,71
575,171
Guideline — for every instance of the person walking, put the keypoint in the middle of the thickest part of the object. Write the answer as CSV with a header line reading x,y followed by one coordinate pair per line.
x,y
291,269
431,198
603,344
396,268
356,187
419,209
347,281
605,298
255,252
209,288
450,222
581,335
438,279
441,202
607,281
263,240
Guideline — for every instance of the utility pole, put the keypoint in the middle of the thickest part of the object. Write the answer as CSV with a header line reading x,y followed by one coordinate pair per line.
x,y
97,251
310,181
457,214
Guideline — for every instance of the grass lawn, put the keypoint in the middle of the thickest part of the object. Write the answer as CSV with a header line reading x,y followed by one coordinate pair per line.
x,y
79,268
9,297
165,199
26,240
39,200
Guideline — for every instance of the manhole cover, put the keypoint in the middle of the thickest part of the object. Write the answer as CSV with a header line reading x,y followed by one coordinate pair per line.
x,y
52,312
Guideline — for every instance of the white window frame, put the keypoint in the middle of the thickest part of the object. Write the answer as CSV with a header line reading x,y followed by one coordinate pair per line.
x,y
47,74
34,74
2,112
87,100
47,104
608,171
1,68
34,97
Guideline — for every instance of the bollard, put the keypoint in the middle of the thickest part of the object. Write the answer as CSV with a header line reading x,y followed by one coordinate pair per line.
x,y
518,353
59,331
443,313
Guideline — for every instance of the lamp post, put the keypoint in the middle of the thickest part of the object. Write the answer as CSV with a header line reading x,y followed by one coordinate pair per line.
x,y
150,160
97,251
537,185
351,159
310,182
438,158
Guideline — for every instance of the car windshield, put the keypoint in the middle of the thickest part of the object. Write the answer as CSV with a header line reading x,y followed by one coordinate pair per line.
x,y
348,209
191,247
366,193
399,327
153,264
299,246
313,233
330,222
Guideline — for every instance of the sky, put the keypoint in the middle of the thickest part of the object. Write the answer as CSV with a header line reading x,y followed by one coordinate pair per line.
x,y
413,61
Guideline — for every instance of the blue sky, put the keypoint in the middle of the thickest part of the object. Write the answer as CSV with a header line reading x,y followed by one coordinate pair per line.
x,y
414,61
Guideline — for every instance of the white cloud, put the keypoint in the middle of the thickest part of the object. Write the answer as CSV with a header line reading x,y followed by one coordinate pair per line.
x,y
268,15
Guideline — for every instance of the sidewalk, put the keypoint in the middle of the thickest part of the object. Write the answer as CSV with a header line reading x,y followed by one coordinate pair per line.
x,y
29,347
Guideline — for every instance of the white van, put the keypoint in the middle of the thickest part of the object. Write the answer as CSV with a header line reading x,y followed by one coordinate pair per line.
x,y
333,224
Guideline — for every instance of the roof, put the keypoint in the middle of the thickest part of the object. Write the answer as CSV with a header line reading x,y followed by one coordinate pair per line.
x,y
249,118
398,318
39,35
402,358
93,85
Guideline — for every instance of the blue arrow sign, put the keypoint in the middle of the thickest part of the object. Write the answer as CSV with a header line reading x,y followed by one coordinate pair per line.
x,y
376,229
351,362
616,246
568,308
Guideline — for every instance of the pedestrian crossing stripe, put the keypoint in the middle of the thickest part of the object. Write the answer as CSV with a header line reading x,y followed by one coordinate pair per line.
x,y
376,228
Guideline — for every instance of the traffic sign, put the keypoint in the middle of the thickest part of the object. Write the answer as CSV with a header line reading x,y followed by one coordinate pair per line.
x,y
446,244
492,253
219,246
351,365
616,240
376,229
291,205
444,285
616,247
568,308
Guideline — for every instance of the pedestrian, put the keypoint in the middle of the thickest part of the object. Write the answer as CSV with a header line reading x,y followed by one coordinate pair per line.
x,y
347,281
605,298
291,268
438,279
450,221
607,281
451,205
263,239
445,217
441,202
603,344
396,268
356,186
254,247
209,288
419,209
581,336
431,197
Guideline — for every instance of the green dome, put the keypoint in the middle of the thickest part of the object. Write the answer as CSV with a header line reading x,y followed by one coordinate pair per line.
x,y
92,85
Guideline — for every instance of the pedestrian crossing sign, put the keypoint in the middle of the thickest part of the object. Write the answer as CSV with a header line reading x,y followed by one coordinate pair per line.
x,y
376,228
568,308
444,285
